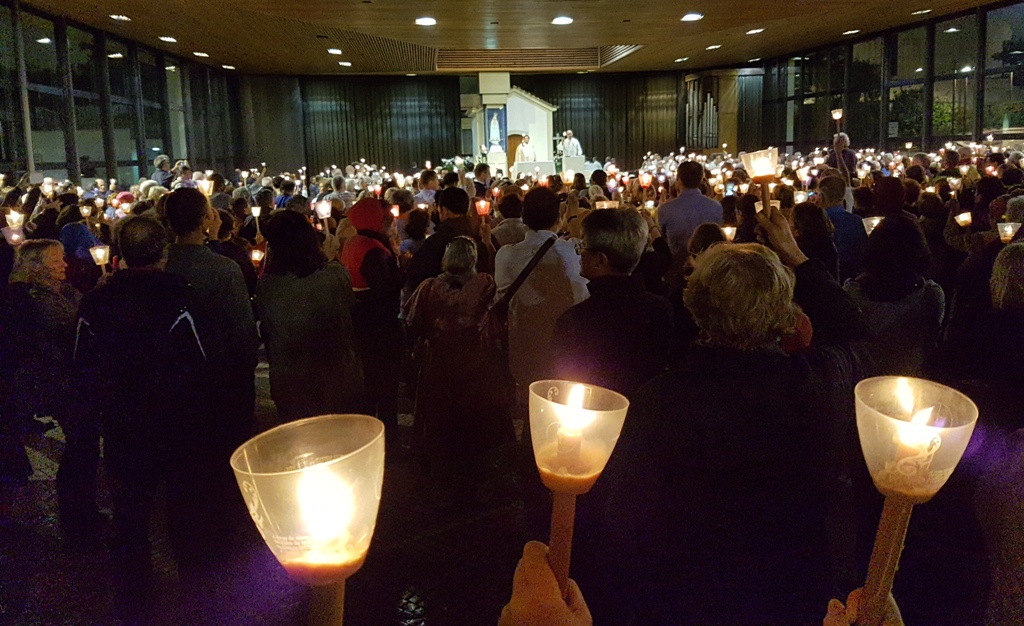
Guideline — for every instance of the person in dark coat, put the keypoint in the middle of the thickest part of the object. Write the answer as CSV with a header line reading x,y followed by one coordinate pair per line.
x,y
618,338
813,231
719,485
377,281
453,209
140,364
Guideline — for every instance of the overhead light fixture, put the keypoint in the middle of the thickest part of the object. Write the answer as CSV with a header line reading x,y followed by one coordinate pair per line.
x,y
410,75
965,69
44,41
115,55
852,32
425,21
922,12
345,63
714,47
682,59
121,18
334,51
228,67
920,69
755,31
171,68
755,60
692,17
562,20
952,29
168,39
1017,52
201,55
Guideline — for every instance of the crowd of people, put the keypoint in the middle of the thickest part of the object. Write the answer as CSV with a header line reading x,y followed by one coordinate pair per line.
x,y
736,493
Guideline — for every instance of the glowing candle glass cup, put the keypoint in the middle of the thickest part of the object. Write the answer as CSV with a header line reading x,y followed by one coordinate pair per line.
x,y
257,255
323,209
574,428
15,219
871,222
964,219
313,488
483,207
913,433
256,210
729,232
85,210
1007,230
14,236
100,254
206,186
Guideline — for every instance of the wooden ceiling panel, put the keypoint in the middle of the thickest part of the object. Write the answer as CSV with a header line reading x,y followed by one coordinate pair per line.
x,y
381,37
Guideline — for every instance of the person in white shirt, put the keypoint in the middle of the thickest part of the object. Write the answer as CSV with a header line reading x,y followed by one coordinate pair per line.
x,y
571,146
525,153
553,287
428,187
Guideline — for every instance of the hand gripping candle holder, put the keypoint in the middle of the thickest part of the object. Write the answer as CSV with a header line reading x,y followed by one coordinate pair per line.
x,y
313,488
574,429
913,433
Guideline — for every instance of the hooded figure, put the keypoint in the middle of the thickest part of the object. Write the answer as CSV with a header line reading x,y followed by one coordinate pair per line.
x,y
377,283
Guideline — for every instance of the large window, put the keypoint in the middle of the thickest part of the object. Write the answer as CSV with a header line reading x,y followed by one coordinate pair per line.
x,y
45,96
11,154
1003,115
83,54
865,90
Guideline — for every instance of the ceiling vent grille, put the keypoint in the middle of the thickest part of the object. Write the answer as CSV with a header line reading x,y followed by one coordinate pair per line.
x,y
611,54
527,59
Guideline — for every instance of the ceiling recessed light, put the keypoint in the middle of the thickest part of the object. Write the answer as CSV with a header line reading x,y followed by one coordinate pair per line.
x,y
755,60
171,68
1017,52
852,32
952,29
425,21
410,74
714,47
228,67
345,63
121,18
920,69
334,51
115,55
922,12
168,39
201,54
682,59
44,40
692,17
755,31
965,69
562,20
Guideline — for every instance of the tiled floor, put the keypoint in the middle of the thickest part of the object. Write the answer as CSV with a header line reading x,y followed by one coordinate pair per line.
x,y
427,566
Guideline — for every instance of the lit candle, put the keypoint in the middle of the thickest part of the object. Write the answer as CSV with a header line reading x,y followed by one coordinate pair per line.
x,y
99,202
395,210
85,210
729,232
871,222
649,204
257,255
565,465
964,219
100,254
646,179
422,206
323,209
483,207
15,219
1007,230
256,210
799,196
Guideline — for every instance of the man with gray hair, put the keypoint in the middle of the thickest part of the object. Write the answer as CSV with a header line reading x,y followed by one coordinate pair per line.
x,y
613,241
163,175
842,142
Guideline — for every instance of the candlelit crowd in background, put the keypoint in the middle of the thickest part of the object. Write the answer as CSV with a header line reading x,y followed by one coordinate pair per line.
x,y
134,313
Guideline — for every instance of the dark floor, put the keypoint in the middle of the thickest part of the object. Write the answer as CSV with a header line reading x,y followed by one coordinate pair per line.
x,y
426,566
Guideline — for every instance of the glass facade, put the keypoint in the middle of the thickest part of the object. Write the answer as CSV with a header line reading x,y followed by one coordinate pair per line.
x,y
926,84
127,104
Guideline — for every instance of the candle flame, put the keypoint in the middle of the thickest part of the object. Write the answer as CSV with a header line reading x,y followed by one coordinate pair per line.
x,y
574,417
326,504
905,395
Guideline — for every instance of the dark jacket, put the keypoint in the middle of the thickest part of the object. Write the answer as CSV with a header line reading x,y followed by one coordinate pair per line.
x,y
720,482
426,263
618,338
140,362
822,250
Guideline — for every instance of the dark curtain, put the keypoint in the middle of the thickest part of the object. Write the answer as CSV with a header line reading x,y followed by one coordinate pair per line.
x,y
750,109
391,121
618,115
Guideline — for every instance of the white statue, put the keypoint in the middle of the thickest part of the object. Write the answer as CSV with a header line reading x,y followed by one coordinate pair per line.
x,y
495,130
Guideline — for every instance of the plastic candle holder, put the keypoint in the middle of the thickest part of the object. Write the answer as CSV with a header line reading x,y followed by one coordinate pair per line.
x,y
913,433
99,202
257,255
15,219
1007,230
14,236
800,197
206,186
964,219
761,163
955,183
323,209
646,179
574,428
837,114
607,204
729,232
100,254
759,205
871,222
256,210
85,210
483,207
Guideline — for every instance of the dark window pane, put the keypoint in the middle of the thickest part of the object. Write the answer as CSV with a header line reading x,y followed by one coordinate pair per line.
x,y
837,69
10,114
956,46
1005,33
1004,104
953,109
910,55
151,76
120,69
40,50
89,137
866,73
82,55
906,110
124,133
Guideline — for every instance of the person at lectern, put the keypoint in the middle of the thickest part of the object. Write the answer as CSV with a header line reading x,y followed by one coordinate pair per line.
x,y
571,146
